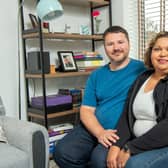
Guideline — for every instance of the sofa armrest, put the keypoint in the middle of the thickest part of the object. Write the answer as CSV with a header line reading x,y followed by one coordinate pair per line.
x,y
29,137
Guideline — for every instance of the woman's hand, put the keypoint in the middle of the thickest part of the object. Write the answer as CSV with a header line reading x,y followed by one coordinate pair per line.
x,y
123,158
107,137
112,157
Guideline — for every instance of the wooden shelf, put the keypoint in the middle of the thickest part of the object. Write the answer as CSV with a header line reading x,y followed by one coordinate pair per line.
x,y
95,3
59,75
98,3
62,36
36,114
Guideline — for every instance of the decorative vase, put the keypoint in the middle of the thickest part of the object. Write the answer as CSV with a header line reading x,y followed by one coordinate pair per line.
x,y
97,24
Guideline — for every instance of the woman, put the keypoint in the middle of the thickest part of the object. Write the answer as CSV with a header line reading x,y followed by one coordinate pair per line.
x,y
143,127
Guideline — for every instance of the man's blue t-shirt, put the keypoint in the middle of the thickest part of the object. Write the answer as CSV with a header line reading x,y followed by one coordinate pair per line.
x,y
106,90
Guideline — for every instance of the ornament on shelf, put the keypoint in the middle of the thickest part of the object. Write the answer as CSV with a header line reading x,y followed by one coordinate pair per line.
x,y
45,27
84,30
95,14
67,28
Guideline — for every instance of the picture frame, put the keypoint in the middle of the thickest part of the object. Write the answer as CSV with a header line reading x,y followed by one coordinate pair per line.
x,y
67,61
34,20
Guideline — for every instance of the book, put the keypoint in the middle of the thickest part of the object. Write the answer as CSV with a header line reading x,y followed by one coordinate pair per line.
x,y
52,149
88,53
90,63
75,93
85,58
93,53
88,69
56,137
61,127
54,133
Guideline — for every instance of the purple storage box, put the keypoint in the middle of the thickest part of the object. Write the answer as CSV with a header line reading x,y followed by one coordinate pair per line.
x,y
51,100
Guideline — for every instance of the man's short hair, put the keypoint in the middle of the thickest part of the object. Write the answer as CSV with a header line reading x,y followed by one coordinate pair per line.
x,y
116,29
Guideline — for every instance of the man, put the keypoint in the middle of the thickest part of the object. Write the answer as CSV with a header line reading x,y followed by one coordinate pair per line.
x,y
67,61
102,105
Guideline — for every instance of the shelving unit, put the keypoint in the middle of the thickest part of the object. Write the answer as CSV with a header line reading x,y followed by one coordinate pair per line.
x,y
95,3
35,113
59,75
37,34
62,36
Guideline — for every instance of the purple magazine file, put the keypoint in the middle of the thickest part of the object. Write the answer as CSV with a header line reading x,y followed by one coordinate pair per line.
x,y
51,100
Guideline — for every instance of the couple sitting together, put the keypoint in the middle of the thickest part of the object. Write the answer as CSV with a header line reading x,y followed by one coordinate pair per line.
x,y
124,112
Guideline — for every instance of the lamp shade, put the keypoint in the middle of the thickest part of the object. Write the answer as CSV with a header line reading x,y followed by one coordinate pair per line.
x,y
49,9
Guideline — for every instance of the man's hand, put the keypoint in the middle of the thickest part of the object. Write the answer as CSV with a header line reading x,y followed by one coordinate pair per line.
x,y
107,137
88,118
123,158
112,157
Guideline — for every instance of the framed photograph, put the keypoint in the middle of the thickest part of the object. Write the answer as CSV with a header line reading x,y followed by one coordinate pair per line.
x,y
67,62
34,20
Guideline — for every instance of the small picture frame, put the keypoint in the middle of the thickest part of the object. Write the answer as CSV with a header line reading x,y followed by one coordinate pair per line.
x,y
34,20
67,62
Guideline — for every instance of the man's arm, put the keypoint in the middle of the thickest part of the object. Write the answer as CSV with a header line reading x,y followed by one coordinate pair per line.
x,y
88,118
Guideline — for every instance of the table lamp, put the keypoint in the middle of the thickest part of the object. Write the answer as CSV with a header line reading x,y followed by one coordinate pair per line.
x,y
49,9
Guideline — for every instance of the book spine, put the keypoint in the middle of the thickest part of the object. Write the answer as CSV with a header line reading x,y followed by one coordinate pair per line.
x,y
61,127
56,138
54,133
90,63
89,59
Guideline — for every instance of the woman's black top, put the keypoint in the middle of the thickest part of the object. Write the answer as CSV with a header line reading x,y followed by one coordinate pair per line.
x,y
155,138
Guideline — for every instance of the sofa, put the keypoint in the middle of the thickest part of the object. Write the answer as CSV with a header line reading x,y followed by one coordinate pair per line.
x,y
27,143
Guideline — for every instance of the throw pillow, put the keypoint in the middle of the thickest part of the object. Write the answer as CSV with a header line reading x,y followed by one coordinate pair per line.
x,y
2,135
2,109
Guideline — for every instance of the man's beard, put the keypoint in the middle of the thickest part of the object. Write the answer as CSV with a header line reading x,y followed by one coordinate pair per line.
x,y
119,62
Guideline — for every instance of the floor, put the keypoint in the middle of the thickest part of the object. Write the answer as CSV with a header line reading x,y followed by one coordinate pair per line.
x,y
52,164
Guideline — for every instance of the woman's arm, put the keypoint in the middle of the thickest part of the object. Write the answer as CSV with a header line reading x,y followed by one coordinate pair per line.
x,y
112,156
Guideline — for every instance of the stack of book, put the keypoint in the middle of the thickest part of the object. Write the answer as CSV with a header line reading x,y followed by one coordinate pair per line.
x,y
57,132
75,93
88,61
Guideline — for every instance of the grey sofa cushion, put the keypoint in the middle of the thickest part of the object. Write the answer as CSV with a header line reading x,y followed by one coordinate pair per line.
x,y
12,157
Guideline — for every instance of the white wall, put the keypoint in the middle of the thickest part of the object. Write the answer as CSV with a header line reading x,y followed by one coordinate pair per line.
x,y
9,51
8,56
125,13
